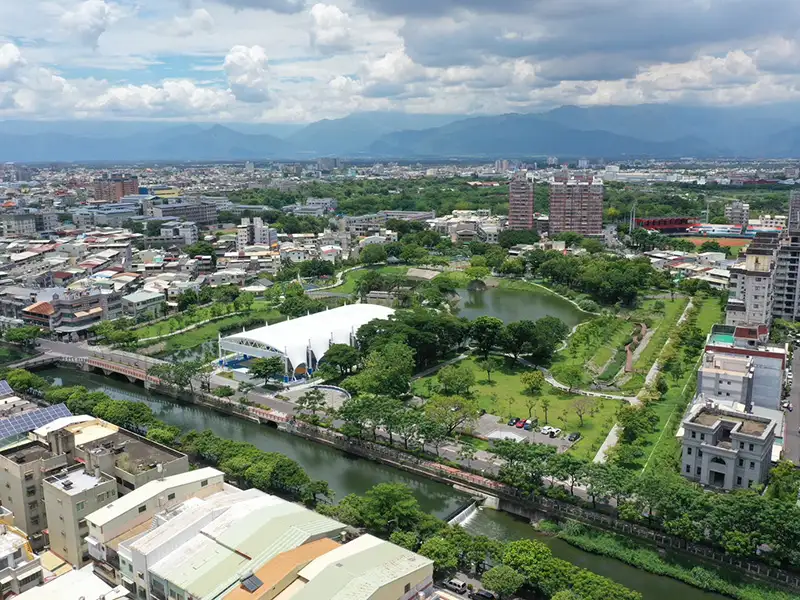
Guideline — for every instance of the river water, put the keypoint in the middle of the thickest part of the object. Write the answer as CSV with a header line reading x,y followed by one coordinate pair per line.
x,y
347,474
516,305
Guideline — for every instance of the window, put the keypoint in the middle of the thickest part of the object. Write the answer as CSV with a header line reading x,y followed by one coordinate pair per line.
x,y
171,496
35,520
688,451
80,505
204,483
738,481
700,453
702,436
3,563
752,465
128,485
741,462
407,588
33,505
30,492
17,554
688,469
699,471
741,445
142,508
28,476
30,578
751,447
694,434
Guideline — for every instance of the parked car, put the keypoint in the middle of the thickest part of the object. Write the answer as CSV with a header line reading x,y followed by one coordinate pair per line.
x,y
520,424
513,421
483,595
555,432
456,585
546,430
574,437
529,425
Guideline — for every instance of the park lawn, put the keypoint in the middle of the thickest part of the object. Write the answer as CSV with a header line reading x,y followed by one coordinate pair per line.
x,y
587,342
210,331
670,410
663,326
352,278
201,314
505,398
606,351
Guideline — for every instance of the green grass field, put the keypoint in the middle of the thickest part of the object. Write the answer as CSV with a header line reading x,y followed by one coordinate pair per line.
x,y
198,316
670,410
663,324
504,396
352,278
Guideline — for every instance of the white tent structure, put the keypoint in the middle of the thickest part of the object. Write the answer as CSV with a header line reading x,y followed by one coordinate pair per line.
x,y
302,342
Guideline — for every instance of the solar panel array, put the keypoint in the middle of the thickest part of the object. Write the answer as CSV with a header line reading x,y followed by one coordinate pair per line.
x,y
32,420
5,389
252,583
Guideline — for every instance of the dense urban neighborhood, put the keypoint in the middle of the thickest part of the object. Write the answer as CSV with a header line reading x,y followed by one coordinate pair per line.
x,y
564,379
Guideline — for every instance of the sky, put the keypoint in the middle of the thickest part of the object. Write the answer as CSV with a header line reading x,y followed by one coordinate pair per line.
x,y
293,61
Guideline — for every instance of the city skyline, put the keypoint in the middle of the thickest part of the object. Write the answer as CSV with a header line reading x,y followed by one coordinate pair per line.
x,y
291,61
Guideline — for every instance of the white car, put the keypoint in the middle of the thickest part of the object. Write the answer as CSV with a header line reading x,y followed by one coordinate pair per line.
x,y
555,431
546,430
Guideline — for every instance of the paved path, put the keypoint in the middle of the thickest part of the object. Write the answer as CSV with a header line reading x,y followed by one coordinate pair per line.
x,y
75,350
611,440
791,437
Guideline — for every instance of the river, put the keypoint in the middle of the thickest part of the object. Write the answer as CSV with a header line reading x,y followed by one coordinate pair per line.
x,y
347,474
516,305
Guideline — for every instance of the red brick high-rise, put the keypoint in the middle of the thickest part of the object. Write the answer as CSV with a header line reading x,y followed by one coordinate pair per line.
x,y
111,189
520,203
576,205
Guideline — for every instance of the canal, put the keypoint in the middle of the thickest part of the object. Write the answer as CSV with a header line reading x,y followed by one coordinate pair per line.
x,y
516,305
347,474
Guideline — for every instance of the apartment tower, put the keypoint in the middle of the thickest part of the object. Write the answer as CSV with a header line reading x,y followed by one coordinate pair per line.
x,y
576,205
520,203
112,189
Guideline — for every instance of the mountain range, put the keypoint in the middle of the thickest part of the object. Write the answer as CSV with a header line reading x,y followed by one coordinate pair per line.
x,y
612,132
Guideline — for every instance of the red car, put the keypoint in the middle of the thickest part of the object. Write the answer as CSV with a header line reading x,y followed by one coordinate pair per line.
x,y
520,424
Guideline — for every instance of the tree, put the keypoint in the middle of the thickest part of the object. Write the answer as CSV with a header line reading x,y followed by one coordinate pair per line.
x,y
567,467
224,391
443,553
456,380
518,337
452,412
387,370
372,254
490,364
201,248
533,381
513,266
244,301
477,273
467,450
486,332
187,299
24,336
572,376
502,579
313,400
582,406
784,481
342,357
21,380
545,407
267,368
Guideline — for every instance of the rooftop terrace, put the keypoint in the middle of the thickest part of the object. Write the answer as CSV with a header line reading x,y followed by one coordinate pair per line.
x,y
754,427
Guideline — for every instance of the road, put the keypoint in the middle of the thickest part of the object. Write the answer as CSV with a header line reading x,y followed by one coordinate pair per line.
x,y
791,437
76,350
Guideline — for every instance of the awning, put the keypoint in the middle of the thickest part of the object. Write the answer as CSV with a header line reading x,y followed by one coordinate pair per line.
x,y
6,580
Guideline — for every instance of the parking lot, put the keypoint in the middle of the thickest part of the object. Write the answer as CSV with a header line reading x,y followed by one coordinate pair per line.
x,y
488,424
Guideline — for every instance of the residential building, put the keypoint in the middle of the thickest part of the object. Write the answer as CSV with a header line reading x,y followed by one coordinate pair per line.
x,y
253,232
769,361
46,220
20,568
228,277
794,211
787,280
82,584
72,313
113,188
724,448
751,285
726,377
137,509
576,205
521,203
18,225
197,210
779,221
738,213
182,232
70,495
143,303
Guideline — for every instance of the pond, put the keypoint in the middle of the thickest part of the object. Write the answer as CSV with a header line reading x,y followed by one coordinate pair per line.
x,y
516,305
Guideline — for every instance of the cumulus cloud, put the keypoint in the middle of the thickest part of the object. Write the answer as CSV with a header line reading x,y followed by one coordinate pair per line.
x,y
278,6
200,21
330,28
89,20
247,70
170,98
11,61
